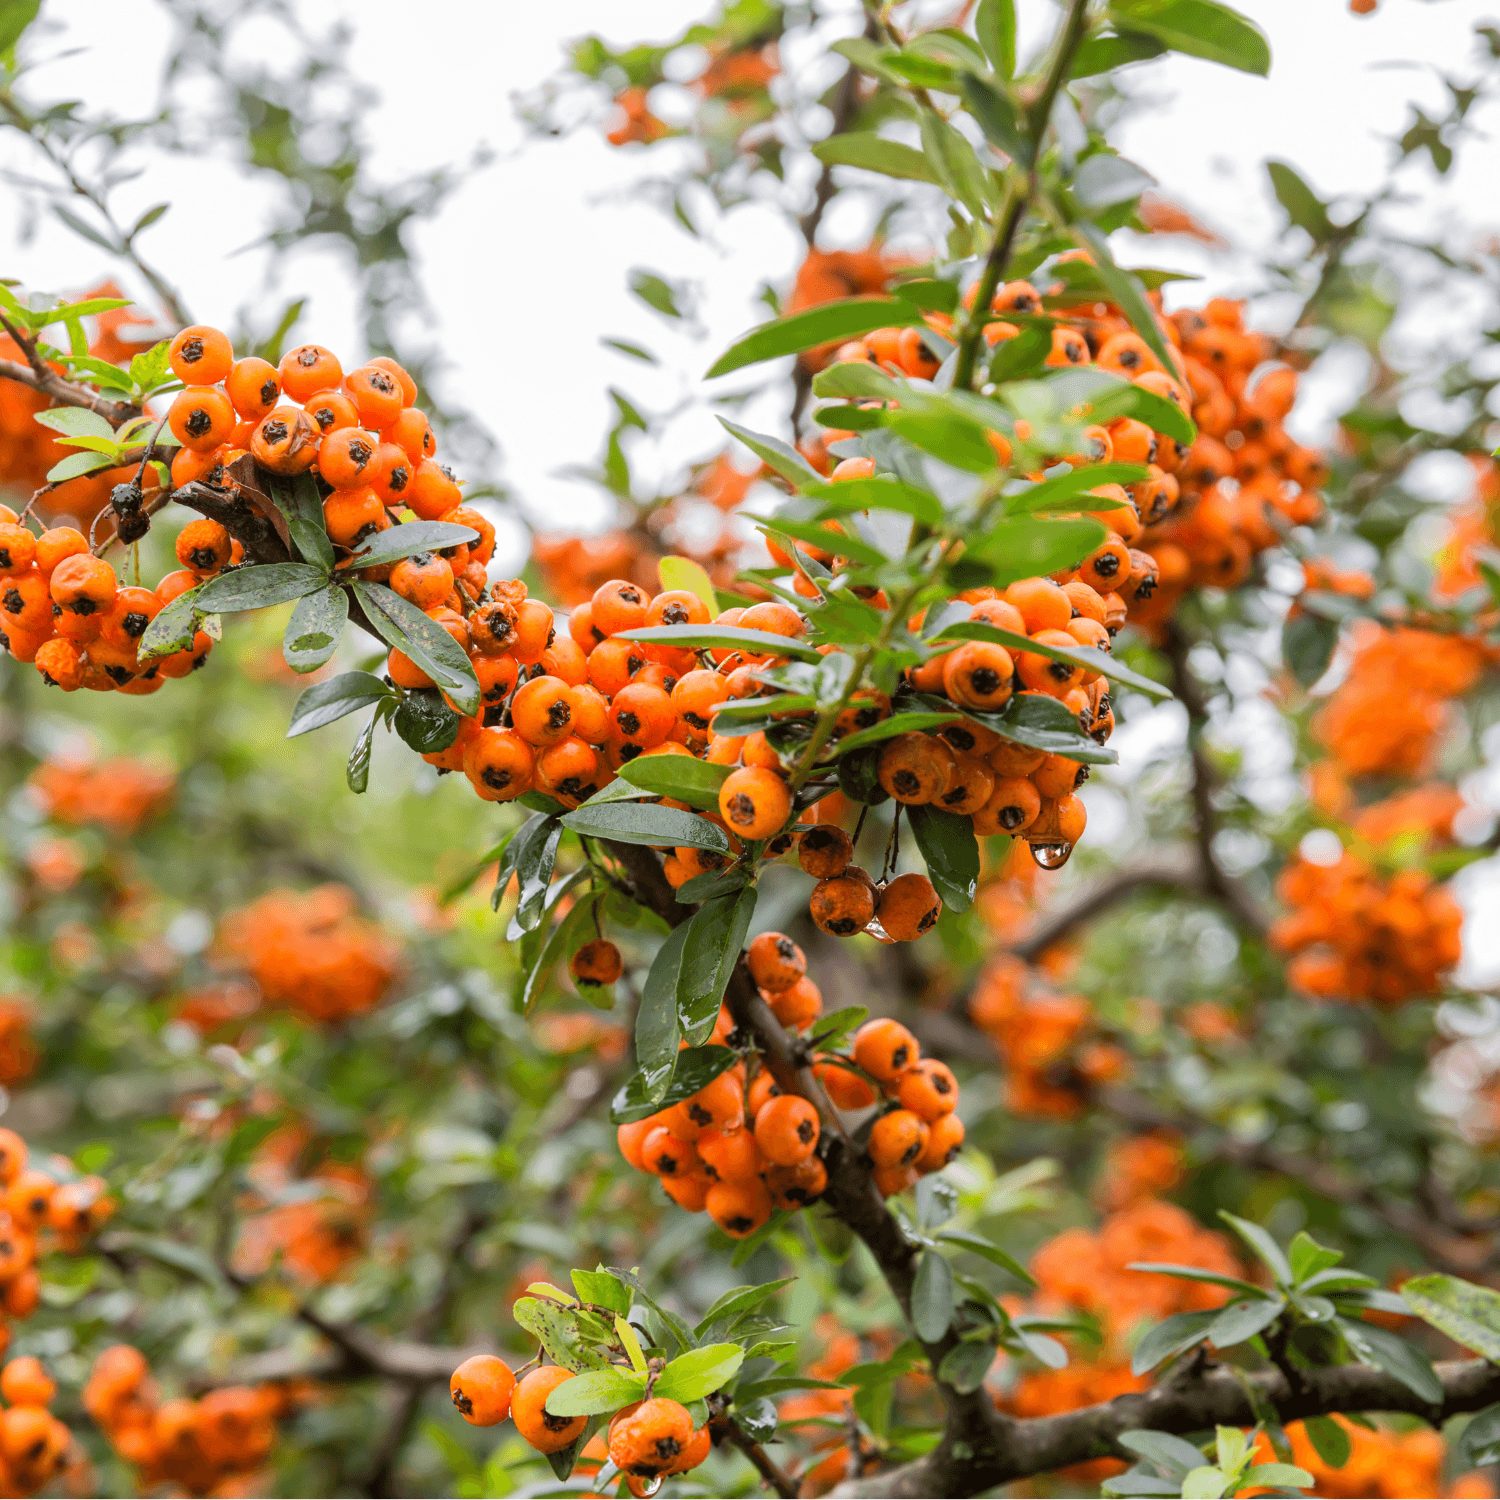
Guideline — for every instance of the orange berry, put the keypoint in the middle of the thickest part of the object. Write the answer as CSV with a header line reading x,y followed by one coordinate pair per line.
x,y
481,1389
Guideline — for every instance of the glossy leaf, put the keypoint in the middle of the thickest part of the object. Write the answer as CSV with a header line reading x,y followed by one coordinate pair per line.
x,y
326,701
697,1067
932,1296
1170,1337
533,855
978,1245
1199,28
696,636
313,632
396,542
951,851
423,640
1469,1314
699,1372
657,1030
299,502
634,823
780,456
832,322
425,722
995,26
173,629
715,937
882,492
596,1392
683,777
1124,289
1390,1352
357,768
874,153
997,116
684,573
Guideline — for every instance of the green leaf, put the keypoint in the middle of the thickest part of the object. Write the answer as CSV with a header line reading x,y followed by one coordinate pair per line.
x,y
421,638
995,26
1027,546
993,1253
77,463
932,1296
699,1372
1022,355
1198,28
1103,54
632,823
1055,493
965,1366
1174,1456
874,154
534,855
1040,721
1263,1245
1124,289
425,722
715,937
762,642
556,1329
1393,1354
951,851
150,367
1287,1476
396,542
682,777
741,1299
173,628
1303,206
1467,1313
952,157
997,116
684,573
946,433
357,768
1082,656
1480,1443
148,218
780,456
858,380
1196,1273
1109,396
602,1288
657,1030
881,492
312,633
887,728
1308,1257
832,322
1104,180
697,1067
189,1258
656,293
1180,1331
326,701
259,587
15,17
1242,1320
1204,1483
840,542
1307,645
75,421
299,502
596,1392
1330,1439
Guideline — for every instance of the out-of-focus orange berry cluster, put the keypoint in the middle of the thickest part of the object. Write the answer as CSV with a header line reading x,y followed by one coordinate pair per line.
x,y
1382,1465
204,1446
1051,1047
118,794
309,952
1359,936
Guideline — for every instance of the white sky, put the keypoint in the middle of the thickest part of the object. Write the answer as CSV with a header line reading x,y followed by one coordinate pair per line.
x,y
526,265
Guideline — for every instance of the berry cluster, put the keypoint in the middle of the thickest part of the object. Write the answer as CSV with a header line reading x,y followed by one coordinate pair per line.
x,y
118,794
311,952
646,1440
1359,936
194,1445
1383,1464
34,1444
740,1148
1049,1043
63,609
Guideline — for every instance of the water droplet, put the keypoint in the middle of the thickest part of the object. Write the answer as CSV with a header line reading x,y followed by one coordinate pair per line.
x,y
1051,856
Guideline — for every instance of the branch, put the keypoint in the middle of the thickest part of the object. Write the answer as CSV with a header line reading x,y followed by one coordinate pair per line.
x,y
1217,881
1220,1398
1169,875
1072,33
726,1430
64,392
